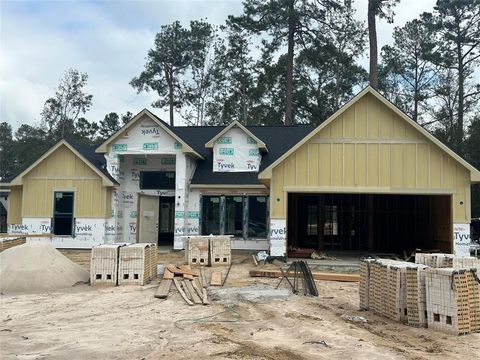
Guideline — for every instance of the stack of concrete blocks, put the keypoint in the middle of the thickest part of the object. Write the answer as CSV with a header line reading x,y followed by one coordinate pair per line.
x,y
416,295
220,250
364,286
153,260
136,264
104,264
7,243
197,250
447,261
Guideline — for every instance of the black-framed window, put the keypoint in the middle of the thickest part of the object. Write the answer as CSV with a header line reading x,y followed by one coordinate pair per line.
x,y
63,220
211,215
240,216
257,216
233,216
157,180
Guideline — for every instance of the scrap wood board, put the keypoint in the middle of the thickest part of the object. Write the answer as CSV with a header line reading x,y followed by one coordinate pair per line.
x,y
316,275
182,293
196,299
167,274
174,269
216,279
163,289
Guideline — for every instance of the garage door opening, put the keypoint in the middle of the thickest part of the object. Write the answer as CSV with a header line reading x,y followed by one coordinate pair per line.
x,y
369,223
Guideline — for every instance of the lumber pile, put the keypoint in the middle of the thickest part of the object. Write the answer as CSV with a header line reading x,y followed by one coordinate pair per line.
x,y
316,275
122,264
8,242
442,298
189,283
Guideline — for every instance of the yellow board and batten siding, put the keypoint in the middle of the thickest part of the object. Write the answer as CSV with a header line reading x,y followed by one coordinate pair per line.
x,y
62,170
369,149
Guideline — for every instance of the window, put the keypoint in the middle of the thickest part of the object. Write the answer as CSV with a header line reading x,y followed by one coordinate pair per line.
x,y
63,213
211,215
234,216
257,216
228,215
312,220
157,180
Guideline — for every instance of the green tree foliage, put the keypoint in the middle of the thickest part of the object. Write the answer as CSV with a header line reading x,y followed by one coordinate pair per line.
x,y
327,71
472,150
407,74
233,80
289,23
456,24
69,102
176,50
7,155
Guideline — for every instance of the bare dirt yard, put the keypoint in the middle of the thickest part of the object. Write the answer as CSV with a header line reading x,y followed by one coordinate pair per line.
x,y
127,322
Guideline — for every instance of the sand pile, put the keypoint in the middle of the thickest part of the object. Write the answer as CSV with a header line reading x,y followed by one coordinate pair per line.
x,y
37,266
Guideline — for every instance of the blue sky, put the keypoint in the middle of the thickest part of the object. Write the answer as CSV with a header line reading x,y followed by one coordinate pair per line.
x,y
39,40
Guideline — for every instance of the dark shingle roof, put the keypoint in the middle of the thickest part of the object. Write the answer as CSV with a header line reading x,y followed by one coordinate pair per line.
x,y
279,139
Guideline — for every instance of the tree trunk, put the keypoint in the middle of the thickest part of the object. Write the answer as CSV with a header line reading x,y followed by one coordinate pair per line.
x,y
290,55
372,36
461,100
169,78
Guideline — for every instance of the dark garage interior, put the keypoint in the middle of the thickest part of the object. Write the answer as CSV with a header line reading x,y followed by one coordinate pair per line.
x,y
374,223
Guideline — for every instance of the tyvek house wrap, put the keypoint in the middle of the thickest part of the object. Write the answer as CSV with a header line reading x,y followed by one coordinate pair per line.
x,y
235,151
146,146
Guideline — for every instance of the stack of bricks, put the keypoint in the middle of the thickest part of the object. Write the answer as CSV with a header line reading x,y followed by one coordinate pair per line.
x,y
220,250
197,250
416,295
7,243
364,286
447,261
136,264
387,294
425,294
104,264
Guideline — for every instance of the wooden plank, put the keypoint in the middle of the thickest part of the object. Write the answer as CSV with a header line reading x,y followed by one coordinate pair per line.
x,y
193,293
182,293
254,259
197,287
316,275
176,270
205,297
163,289
167,274
216,279
188,276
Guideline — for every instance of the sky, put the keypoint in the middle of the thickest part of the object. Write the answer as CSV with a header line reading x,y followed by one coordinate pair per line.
x,y
108,40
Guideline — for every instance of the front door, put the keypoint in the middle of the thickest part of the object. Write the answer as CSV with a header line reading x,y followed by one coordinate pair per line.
x,y
148,219
166,220
63,213
309,228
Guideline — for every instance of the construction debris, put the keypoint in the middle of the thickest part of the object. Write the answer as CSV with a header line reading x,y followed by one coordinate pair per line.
x,y
441,298
216,278
190,287
316,275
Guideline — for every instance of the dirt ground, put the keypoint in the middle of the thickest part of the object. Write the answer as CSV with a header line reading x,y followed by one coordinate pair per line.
x,y
127,322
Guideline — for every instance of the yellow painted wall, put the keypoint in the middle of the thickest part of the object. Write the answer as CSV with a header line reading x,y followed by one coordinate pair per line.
x,y
370,149
14,214
64,171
